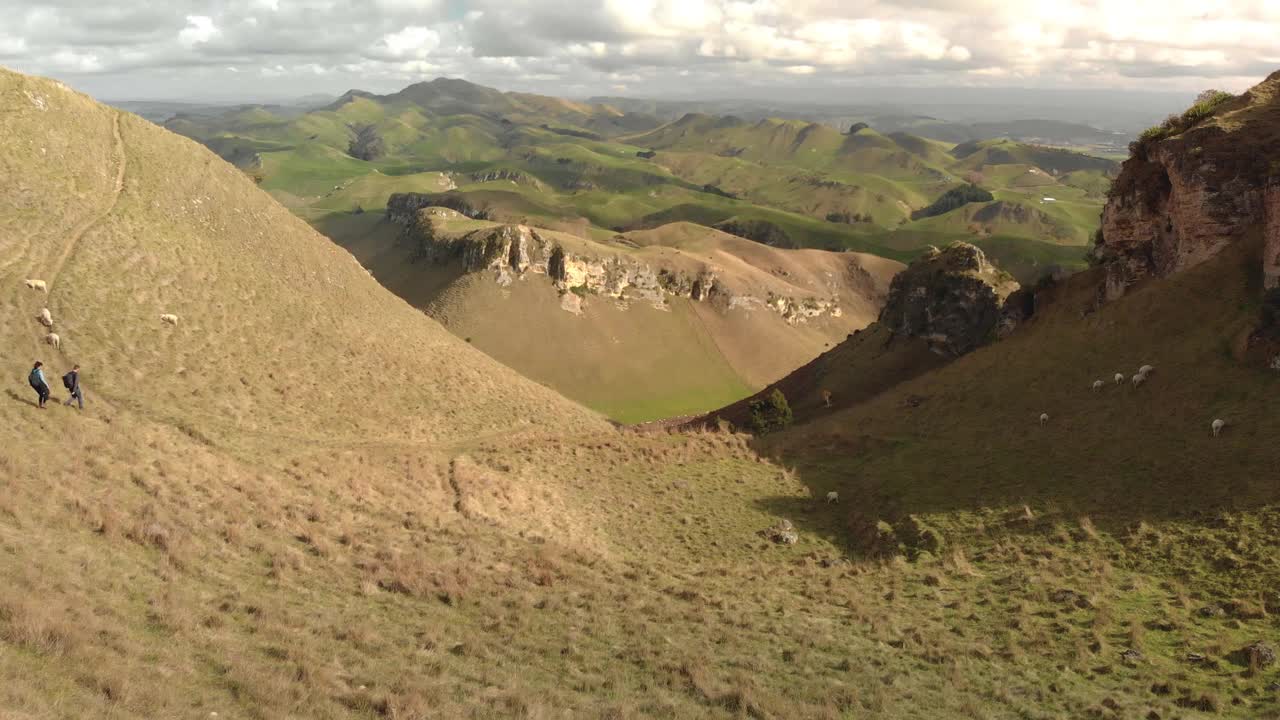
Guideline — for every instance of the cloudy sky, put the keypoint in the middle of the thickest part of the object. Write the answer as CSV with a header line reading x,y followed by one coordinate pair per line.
x,y
259,49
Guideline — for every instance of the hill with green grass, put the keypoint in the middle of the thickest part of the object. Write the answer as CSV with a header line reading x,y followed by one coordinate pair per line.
x,y
562,164
595,173
307,499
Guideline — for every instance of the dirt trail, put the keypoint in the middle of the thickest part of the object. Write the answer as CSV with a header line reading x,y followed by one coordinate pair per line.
x,y
84,227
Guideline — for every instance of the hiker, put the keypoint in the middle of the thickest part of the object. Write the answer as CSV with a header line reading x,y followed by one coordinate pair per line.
x,y
71,381
36,378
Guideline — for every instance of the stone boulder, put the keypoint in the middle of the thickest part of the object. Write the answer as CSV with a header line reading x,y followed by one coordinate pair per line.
x,y
782,533
953,298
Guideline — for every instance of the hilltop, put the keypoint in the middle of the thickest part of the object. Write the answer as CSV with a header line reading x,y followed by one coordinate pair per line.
x,y
558,163
644,325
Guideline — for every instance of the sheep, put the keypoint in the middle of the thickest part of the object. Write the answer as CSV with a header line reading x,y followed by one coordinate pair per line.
x,y
826,398
1097,385
45,317
54,340
1146,370
40,285
833,498
1217,426
1119,378
169,318
1044,418
1139,379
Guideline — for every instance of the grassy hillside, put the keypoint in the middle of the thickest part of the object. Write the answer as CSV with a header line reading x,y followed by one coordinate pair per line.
x,y
308,500
557,163
628,359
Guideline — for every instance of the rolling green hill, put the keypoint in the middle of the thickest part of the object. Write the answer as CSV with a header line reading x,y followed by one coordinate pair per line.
x,y
558,163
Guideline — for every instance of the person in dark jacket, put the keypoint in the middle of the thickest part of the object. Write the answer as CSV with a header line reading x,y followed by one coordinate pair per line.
x,y
36,378
72,382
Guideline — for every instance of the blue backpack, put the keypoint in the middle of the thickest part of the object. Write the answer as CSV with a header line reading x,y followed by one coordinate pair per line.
x,y
35,378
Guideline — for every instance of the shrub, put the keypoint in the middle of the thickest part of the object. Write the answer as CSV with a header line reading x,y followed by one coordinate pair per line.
x,y
1207,102
367,144
952,199
770,413
761,231
846,217
716,190
1205,105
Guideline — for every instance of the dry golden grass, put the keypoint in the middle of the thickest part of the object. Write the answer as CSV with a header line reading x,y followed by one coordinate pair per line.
x,y
308,501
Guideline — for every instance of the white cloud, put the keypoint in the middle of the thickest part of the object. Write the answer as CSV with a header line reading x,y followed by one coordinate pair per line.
x,y
199,29
12,46
1186,44
414,41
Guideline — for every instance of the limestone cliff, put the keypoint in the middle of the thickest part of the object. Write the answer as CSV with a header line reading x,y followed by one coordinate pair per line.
x,y
953,298
581,269
1195,187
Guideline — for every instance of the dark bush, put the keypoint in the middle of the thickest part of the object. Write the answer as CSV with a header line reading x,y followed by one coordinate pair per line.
x,y
367,143
770,413
952,199
761,231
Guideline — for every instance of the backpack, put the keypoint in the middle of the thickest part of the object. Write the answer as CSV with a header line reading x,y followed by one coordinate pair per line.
x,y
34,377
67,381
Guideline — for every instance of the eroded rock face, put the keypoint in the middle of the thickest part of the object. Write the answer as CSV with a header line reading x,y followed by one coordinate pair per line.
x,y
511,252
1180,201
952,298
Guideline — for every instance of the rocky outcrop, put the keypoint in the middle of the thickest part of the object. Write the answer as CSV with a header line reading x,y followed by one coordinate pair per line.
x,y
1180,200
514,176
953,298
512,252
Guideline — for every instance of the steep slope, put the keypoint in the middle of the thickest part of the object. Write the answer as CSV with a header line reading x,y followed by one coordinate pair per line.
x,y
650,324
149,236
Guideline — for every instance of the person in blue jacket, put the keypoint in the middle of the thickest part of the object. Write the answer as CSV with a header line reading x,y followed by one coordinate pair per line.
x,y
36,378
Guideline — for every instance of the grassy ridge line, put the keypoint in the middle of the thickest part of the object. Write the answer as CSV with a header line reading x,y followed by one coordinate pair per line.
x,y
786,172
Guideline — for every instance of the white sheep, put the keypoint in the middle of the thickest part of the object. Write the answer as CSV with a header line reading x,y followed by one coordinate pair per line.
x,y
45,317
1119,378
833,498
1217,426
38,285
1146,370
1097,385
169,318
54,340
1044,418
1139,379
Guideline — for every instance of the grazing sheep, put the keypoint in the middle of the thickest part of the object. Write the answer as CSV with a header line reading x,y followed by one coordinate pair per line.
x,y
1119,378
54,340
169,318
1044,418
1217,426
1146,370
45,317
1097,385
1139,379
826,398
38,285
833,498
